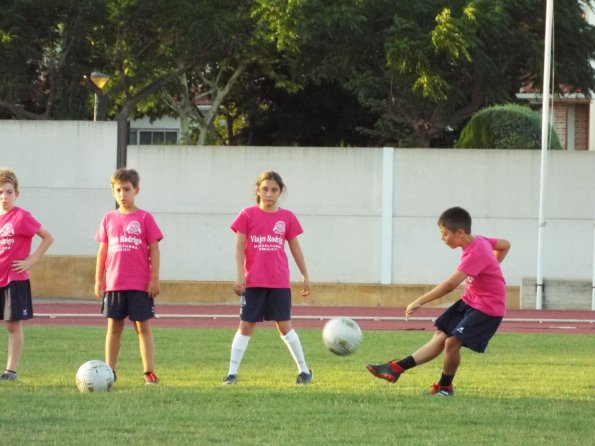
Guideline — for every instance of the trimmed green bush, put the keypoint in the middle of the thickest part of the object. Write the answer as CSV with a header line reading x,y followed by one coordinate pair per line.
x,y
509,126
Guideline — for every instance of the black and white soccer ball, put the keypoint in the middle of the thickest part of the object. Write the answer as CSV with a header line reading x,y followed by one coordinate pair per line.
x,y
94,376
342,336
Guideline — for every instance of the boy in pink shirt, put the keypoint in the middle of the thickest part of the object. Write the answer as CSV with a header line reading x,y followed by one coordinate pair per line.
x,y
471,321
17,228
127,272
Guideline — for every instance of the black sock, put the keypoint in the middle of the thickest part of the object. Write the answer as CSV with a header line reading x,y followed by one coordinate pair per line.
x,y
407,363
445,380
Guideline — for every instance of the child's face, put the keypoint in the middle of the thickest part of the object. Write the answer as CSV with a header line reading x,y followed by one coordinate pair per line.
x,y
8,196
124,193
269,192
453,239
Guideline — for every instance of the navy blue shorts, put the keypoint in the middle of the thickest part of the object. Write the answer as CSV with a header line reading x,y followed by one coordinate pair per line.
x,y
265,304
15,301
472,326
137,305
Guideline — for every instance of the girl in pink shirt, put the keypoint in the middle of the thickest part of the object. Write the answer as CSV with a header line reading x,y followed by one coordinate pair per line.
x,y
263,272
17,229
471,321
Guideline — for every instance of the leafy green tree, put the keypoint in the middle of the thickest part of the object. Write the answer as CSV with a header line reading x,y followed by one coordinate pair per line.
x,y
421,69
45,49
318,114
148,48
211,44
428,65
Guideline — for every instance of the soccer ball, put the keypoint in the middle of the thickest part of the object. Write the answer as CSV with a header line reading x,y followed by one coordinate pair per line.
x,y
94,376
342,336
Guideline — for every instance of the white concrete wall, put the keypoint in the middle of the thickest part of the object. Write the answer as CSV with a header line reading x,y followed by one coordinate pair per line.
x,y
195,192
63,169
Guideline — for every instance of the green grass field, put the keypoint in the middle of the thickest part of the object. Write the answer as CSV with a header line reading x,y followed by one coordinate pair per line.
x,y
527,389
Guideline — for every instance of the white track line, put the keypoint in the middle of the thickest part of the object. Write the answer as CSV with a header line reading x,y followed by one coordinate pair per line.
x,y
319,317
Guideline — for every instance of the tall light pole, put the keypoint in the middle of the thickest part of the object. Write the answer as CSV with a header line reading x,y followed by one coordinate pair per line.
x,y
545,127
99,79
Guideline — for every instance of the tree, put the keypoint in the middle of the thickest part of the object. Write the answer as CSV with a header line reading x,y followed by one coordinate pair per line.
x,y
420,69
146,47
427,66
45,50
220,39
318,114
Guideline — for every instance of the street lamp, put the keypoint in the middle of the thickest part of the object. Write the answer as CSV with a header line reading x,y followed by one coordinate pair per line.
x,y
99,79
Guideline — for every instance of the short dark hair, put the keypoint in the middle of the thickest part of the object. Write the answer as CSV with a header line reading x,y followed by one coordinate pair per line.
x,y
456,218
124,175
8,176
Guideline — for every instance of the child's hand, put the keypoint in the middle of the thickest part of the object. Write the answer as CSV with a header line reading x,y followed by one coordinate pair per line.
x,y
99,290
411,308
20,266
153,288
306,288
239,287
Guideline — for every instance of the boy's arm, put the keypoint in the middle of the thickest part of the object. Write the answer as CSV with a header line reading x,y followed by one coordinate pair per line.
x,y
298,256
155,258
501,249
100,270
240,282
46,240
437,292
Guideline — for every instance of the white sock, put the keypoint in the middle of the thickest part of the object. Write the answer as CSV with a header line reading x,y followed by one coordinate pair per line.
x,y
294,345
238,348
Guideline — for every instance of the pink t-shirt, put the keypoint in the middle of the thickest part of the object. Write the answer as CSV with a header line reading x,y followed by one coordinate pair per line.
x,y
266,263
127,266
17,228
485,287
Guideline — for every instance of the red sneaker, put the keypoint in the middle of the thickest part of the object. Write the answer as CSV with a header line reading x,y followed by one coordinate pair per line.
x,y
442,390
391,371
151,378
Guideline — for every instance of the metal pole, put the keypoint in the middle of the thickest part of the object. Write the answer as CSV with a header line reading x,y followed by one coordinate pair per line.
x,y
593,282
545,127
386,247
96,107
122,143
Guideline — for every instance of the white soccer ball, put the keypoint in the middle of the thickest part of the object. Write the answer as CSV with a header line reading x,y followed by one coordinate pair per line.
x,y
94,376
342,336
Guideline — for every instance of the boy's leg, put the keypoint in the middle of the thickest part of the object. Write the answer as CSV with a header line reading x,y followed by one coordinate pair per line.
x,y
392,370
452,359
452,355
431,349
113,340
16,341
145,342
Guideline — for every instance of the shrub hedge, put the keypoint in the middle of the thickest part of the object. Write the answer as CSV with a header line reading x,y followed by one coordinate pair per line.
x,y
509,126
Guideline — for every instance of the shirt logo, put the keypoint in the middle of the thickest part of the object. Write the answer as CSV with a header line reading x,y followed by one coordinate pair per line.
x,y
279,227
7,230
133,228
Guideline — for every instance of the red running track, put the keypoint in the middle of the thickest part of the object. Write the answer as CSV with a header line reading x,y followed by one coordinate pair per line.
x,y
63,313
